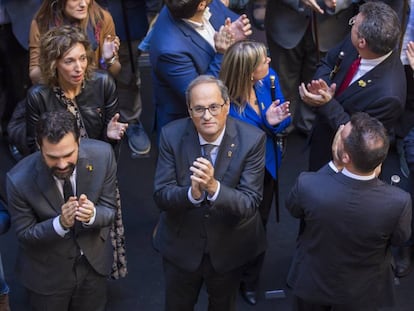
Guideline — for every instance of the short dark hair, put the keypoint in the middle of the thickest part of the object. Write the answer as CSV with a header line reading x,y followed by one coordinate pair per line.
x,y
182,8
54,125
367,143
380,27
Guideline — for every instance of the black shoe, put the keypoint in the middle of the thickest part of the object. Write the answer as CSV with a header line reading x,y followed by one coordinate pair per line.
x,y
249,296
403,262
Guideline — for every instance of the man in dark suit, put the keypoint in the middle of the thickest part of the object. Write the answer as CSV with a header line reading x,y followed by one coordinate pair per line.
x,y
209,224
297,32
377,86
62,203
351,218
188,40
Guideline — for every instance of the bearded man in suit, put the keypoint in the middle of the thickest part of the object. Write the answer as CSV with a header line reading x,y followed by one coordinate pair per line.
x,y
350,221
62,204
209,224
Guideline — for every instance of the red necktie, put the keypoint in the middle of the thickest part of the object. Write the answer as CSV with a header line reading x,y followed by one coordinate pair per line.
x,y
349,75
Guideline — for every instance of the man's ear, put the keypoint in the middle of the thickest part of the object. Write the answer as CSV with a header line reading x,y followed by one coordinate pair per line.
x,y
362,43
202,5
346,159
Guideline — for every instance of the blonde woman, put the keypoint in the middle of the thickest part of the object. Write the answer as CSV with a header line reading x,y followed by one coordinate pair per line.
x,y
256,98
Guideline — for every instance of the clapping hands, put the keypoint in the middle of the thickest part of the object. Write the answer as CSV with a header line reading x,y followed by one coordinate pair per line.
x,y
317,92
110,47
277,113
116,130
231,32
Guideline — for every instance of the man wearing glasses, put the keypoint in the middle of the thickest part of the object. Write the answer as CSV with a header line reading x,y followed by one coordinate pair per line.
x,y
369,78
208,186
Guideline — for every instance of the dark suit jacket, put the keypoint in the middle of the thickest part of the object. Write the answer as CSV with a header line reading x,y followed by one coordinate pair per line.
x,y
381,93
343,255
288,20
230,228
178,55
45,259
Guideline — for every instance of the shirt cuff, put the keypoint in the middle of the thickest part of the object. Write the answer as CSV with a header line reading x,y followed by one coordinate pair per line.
x,y
92,220
58,227
214,197
192,200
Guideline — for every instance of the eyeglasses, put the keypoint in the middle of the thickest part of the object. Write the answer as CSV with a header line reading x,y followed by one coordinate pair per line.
x,y
214,109
351,21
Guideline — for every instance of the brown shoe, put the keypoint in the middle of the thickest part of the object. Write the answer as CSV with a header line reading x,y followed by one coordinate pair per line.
x,y
4,302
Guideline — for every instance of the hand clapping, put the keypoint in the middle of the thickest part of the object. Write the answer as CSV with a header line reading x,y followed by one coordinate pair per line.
x,y
240,28
277,113
115,129
317,92
110,47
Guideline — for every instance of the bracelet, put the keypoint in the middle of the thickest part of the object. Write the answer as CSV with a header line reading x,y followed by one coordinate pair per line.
x,y
105,64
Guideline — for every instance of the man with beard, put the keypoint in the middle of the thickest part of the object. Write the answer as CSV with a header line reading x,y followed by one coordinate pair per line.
x,y
62,204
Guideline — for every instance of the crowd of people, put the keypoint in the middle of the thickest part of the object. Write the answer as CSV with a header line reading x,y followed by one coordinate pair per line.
x,y
339,72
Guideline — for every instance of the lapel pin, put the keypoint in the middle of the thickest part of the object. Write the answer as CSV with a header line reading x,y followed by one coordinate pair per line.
x,y
229,153
89,167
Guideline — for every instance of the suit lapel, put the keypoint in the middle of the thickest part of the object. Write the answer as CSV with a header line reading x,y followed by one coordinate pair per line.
x,y
228,147
47,186
193,149
368,80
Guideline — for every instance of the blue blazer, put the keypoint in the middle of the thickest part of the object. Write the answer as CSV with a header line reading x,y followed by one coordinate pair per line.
x,y
264,99
178,55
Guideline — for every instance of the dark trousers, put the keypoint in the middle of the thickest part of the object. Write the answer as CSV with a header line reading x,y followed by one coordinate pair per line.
x,y
183,287
294,66
252,270
14,73
88,294
303,305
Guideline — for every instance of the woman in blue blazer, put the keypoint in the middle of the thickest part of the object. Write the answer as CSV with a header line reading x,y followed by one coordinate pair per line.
x,y
256,98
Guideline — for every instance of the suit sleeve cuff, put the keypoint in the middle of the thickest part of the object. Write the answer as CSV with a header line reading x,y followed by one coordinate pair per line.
x,y
92,220
192,200
214,197
58,227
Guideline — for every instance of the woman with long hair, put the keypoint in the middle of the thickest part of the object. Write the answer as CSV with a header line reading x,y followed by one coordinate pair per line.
x,y
95,22
256,98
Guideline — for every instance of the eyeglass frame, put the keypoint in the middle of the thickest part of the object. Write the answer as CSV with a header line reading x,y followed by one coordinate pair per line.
x,y
197,114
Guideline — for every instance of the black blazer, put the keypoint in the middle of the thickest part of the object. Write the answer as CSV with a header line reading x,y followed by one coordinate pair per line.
x,y
343,254
381,93
230,228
